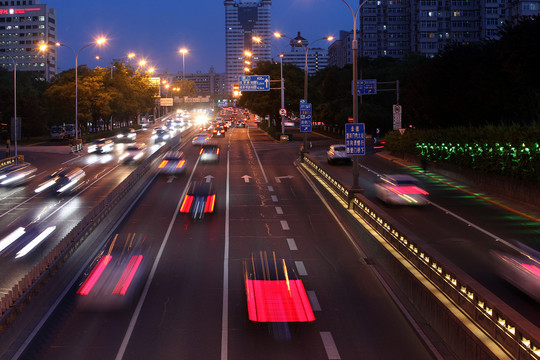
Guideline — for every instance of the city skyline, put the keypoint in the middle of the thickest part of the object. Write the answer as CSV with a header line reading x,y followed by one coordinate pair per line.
x,y
166,28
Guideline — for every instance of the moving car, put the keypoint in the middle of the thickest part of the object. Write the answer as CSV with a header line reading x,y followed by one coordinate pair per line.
x,y
58,132
101,146
200,138
63,181
173,163
24,240
218,131
116,275
134,153
126,135
16,174
273,290
398,189
199,200
160,136
338,153
209,152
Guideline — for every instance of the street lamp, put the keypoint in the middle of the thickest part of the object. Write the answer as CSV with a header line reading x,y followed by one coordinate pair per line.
x,y
14,101
356,172
183,51
259,40
306,50
99,41
100,58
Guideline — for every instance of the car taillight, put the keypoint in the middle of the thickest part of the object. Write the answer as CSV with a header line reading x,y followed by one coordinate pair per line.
x,y
128,274
163,163
186,204
180,164
94,275
200,152
210,201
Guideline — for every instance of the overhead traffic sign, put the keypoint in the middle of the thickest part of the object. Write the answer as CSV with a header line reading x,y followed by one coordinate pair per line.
x,y
367,87
305,116
355,139
254,83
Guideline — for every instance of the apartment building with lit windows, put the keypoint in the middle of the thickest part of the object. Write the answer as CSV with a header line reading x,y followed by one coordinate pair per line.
x,y
24,25
243,20
397,28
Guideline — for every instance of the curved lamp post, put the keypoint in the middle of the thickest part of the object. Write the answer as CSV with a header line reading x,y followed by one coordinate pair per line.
x,y
306,50
259,40
99,41
354,14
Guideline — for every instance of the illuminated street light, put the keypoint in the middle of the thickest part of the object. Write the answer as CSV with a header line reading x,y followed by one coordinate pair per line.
x,y
99,41
306,50
183,51
131,55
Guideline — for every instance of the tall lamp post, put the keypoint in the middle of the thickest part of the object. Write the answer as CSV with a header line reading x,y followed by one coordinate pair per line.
x,y
99,41
354,14
306,50
183,51
14,100
259,40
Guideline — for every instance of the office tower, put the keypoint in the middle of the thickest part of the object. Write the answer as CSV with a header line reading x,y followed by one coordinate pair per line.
x,y
243,20
24,26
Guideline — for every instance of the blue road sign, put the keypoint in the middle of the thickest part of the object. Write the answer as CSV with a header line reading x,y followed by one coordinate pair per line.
x,y
254,83
305,116
355,139
367,87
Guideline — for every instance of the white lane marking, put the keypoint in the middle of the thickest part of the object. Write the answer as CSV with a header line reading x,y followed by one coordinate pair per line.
x,y
274,198
292,244
279,210
315,306
330,345
225,307
300,268
258,160
170,179
270,188
284,225
137,311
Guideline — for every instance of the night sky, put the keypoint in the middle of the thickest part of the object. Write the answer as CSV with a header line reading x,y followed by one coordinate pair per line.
x,y
156,30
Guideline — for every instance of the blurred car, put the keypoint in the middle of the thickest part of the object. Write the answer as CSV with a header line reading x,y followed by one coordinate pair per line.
x,y
160,136
273,290
116,275
400,189
16,174
338,153
173,163
133,153
127,135
101,146
23,240
218,131
200,138
520,267
209,152
63,181
199,200
241,124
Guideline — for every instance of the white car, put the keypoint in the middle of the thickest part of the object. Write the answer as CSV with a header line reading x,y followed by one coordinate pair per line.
x,y
338,153
400,189
200,138
134,153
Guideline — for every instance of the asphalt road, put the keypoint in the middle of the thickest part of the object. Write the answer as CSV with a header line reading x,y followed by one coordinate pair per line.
x,y
193,304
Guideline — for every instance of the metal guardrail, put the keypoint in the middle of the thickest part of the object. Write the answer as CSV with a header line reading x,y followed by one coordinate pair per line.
x,y
518,341
29,282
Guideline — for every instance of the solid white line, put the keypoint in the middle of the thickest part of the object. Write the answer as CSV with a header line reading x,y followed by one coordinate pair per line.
x,y
270,188
225,308
330,345
284,225
274,198
279,210
137,311
300,268
258,160
313,300
292,244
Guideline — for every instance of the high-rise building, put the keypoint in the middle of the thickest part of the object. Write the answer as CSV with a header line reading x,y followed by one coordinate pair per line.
x,y
24,26
243,20
399,27
317,58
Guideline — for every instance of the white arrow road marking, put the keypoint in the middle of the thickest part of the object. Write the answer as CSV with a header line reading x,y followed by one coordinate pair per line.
x,y
246,178
170,179
208,178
